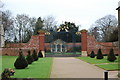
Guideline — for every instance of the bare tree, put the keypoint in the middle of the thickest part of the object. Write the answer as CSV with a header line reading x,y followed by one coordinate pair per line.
x,y
21,22
24,26
94,31
49,22
7,19
105,26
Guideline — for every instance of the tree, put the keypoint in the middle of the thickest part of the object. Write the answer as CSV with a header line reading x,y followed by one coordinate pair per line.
x,y
68,27
20,62
40,54
49,22
105,27
67,32
111,56
114,35
29,58
21,22
34,55
24,27
39,25
99,54
92,55
7,21
94,31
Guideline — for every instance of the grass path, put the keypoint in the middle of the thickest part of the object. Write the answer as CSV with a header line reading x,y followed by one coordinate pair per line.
x,y
38,69
102,63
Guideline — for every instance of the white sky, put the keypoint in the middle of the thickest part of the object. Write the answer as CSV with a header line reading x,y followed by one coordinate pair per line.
x,y
81,12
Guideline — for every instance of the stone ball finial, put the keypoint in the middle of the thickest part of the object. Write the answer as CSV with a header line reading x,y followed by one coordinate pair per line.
x,y
44,32
84,30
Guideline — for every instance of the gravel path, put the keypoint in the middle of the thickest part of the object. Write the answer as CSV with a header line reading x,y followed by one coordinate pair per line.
x,y
70,67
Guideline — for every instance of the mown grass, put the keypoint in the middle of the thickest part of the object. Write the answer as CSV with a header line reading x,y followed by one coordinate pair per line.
x,y
38,69
118,74
97,61
102,63
108,66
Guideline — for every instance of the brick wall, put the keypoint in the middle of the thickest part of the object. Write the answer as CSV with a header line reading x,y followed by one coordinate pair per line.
x,y
93,45
15,51
12,49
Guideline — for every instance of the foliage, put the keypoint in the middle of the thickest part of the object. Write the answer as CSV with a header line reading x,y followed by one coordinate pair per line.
x,y
29,58
68,27
34,55
20,62
49,22
111,56
38,26
99,54
40,54
103,27
114,35
92,55
7,21
67,33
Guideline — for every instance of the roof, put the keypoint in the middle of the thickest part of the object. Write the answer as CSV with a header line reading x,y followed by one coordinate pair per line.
x,y
58,41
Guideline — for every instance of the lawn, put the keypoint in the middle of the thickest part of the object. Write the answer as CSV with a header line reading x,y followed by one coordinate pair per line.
x,y
102,63
38,69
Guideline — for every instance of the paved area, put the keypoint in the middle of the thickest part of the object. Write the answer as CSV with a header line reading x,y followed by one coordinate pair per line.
x,y
70,67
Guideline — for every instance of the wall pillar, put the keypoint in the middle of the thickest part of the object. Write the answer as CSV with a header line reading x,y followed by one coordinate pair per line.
x,y
41,42
84,42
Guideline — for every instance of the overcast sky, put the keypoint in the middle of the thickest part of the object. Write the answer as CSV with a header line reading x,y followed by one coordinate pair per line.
x,y
81,12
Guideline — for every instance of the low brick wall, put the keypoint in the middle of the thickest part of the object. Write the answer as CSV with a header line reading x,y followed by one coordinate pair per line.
x,y
15,51
93,45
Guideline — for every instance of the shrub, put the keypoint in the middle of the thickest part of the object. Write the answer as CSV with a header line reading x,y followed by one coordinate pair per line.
x,y
92,54
111,56
40,54
21,62
34,55
99,54
29,58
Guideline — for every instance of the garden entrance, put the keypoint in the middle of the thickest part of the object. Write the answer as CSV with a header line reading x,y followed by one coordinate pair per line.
x,y
63,43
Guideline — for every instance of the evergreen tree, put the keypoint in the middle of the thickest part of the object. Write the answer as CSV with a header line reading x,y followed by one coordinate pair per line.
x,y
38,25
29,58
21,62
111,56
34,55
92,55
40,54
99,54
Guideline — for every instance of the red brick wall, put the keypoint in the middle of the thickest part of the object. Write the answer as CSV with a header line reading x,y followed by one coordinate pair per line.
x,y
15,51
93,45
12,49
